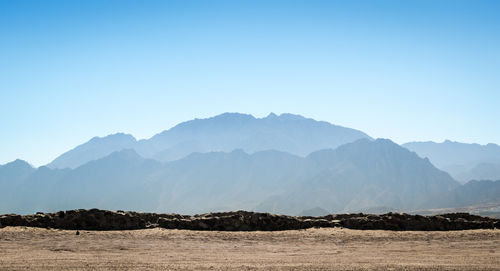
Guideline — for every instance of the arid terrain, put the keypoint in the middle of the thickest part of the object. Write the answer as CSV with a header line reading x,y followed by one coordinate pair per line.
x,y
26,248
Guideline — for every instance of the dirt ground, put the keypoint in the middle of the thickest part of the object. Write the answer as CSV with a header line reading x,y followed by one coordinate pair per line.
x,y
314,249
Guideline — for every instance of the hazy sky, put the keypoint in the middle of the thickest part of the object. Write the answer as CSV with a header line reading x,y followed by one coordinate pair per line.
x,y
404,70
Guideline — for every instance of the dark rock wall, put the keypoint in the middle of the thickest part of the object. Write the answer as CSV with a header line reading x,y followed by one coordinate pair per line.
x,y
95,219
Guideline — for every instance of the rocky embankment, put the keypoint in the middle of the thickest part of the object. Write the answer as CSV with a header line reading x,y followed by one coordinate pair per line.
x,y
95,219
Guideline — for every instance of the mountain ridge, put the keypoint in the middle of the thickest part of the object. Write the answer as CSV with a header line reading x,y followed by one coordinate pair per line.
x,y
225,132
93,149
356,176
283,164
460,159
365,174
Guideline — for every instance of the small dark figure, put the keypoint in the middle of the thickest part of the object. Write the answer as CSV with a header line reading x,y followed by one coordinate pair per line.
x,y
77,233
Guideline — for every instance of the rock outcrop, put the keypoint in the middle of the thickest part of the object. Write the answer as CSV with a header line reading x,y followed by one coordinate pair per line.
x,y
406,222
244,221
95,219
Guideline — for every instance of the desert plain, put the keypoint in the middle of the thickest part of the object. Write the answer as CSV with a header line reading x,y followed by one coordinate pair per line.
x,y
27,248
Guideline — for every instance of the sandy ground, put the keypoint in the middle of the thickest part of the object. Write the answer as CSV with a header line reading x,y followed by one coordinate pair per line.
x,y
314,249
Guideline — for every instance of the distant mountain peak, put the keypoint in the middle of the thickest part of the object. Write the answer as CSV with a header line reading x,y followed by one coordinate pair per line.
x,y
287,132
384,140
125,154
271,116
380,143
18,163
95,148
462,160
232,116
117,158
448,142
289,116
114,136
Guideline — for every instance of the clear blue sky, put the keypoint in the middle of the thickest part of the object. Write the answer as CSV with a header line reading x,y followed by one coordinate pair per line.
x,y
404,70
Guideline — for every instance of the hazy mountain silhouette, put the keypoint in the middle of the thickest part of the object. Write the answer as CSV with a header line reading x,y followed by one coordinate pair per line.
x,y
461,160
356,176
365,174
113,182
14,171
95,148
124,180
483,171
283,164
220,181
289,133
472,193
226,132
11,174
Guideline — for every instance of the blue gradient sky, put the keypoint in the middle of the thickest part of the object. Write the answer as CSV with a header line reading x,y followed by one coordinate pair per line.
x,y
404,70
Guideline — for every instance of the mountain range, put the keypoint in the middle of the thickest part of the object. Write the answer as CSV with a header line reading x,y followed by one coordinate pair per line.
x,y
463,161
226,132
282,164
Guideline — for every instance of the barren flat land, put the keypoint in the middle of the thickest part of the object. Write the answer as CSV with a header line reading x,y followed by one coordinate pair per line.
x,y
25,248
